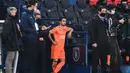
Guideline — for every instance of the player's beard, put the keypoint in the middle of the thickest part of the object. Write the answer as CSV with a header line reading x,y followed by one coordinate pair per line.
x,y
63,24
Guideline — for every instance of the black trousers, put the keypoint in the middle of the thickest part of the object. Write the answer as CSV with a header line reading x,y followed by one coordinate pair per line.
x,y
42,57
44,53
99,53
127,46
29,56
115,56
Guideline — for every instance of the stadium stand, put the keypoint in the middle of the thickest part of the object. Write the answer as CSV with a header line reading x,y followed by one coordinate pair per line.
x,y
50,11
67,10
83,13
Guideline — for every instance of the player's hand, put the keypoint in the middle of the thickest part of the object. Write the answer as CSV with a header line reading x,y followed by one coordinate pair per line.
x,y
55,43
94,45
69,35
41,39
43,28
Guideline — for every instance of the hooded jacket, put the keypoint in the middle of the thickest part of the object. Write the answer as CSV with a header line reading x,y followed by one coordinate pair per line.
x,y
10,34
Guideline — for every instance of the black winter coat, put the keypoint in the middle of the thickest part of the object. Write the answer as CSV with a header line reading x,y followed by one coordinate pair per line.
x,y
10,34
97,32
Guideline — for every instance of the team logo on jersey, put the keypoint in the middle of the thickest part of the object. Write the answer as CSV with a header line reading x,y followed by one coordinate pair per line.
x,y
76,54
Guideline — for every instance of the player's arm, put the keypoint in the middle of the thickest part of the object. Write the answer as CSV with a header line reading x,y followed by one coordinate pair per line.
x,y
70,32
50,33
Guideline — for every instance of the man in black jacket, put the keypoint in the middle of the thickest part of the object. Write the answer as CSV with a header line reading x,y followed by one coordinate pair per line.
x,y
113,26
42,50
99,40
10,36
30,37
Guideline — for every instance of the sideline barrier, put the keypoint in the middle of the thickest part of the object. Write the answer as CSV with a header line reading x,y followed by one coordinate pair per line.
x,y
77,49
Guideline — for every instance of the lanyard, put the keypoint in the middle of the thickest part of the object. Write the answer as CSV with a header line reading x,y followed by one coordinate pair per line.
x,y
109,24
106,27
18,27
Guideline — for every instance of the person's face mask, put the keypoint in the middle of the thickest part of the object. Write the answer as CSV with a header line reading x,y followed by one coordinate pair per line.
x,y
112,11
102,14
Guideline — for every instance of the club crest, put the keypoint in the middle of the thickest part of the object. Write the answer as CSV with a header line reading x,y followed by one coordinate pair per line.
x,y
76,54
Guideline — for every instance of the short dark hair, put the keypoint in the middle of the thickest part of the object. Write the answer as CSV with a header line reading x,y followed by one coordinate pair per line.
x,y
101,7
60,19
31,2
111,6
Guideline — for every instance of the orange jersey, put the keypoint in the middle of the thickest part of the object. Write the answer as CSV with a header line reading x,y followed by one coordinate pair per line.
x,y
57,51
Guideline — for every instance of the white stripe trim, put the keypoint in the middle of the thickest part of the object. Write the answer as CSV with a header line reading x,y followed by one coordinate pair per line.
x,y
2,21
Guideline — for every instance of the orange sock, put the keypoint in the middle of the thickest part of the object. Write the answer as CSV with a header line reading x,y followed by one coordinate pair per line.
x,y
58,67
108,57
127,58
54,64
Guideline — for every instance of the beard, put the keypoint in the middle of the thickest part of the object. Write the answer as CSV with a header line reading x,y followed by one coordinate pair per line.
x,y
63,24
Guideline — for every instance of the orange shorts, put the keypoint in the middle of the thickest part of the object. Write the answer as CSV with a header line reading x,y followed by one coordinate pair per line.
x,y
57,52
